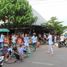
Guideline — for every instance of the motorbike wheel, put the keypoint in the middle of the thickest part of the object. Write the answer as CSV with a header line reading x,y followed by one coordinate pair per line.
x,y
59,45
0,65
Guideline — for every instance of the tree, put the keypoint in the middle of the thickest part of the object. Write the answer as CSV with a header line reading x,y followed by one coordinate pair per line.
x,y
57,26
18,12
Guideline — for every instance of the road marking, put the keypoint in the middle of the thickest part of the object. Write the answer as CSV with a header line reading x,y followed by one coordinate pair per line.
x,y
43,63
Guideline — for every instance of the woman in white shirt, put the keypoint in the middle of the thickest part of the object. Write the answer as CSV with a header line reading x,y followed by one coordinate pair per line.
x,y
50,43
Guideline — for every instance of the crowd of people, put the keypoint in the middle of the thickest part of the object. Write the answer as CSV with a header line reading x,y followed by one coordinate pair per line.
x,y
57,40
16,47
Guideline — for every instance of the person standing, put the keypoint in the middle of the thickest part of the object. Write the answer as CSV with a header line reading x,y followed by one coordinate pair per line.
x,y
14,38
34,41
50,44
62,38
26,43
1,40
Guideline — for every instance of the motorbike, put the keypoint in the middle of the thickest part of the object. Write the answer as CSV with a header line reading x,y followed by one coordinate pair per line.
x,y
1,57
1,61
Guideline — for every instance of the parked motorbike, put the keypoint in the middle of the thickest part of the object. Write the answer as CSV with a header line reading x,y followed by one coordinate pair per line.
x,y
1,57
1,61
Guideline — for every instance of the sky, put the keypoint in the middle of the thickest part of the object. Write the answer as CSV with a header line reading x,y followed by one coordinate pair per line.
x,y
49,8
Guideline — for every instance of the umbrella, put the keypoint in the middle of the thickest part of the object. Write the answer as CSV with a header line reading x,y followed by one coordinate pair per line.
x,y
4,30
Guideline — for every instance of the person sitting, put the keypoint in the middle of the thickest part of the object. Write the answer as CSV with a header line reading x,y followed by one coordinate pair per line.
x,y
15,52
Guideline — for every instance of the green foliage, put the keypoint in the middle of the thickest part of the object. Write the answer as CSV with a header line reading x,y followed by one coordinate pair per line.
x,y
17,11
56,25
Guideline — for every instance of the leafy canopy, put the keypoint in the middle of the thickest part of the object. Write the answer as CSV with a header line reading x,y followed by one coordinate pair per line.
x,y
17,11
56,25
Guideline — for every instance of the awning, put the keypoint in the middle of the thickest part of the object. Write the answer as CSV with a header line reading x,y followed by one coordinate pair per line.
x,y
4,30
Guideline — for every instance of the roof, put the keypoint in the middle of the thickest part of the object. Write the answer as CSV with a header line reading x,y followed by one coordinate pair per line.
x,y
40,19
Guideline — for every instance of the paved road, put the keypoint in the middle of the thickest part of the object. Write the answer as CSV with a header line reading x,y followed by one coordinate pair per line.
x,y
41,58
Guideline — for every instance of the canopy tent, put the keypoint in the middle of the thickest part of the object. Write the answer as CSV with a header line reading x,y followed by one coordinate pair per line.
x,y
4,30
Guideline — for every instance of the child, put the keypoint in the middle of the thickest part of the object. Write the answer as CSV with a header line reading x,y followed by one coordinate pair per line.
x,y
20,47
